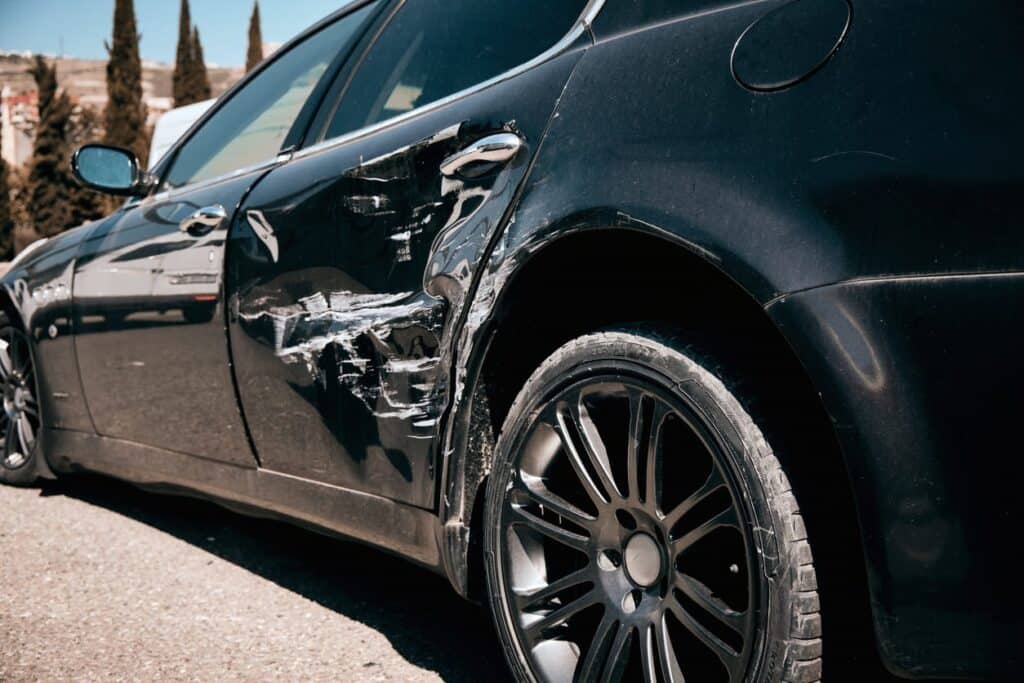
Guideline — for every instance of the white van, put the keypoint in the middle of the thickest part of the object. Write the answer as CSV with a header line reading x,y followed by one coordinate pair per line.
x,y
172,126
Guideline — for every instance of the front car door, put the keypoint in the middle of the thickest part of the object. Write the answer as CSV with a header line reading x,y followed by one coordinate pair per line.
x,y
348,264
148,287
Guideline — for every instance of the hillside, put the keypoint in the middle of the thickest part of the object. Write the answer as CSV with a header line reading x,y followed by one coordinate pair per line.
x,y
85,79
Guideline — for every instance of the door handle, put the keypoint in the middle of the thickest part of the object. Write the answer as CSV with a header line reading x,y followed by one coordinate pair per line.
x,y
493,149
204,220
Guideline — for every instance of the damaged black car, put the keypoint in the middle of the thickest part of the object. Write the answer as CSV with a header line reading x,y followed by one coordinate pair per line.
x,y
684,336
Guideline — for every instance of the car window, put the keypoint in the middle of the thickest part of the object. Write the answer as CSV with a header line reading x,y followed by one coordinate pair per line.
x,y
251,126
434,48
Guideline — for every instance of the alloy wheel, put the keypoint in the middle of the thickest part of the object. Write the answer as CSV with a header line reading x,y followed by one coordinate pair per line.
x,y
626,550
19,420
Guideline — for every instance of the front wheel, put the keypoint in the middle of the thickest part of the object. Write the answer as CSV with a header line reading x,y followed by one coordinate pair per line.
x,y
639,527
19,419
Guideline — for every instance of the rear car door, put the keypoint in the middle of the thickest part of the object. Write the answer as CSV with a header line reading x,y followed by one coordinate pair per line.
x,y
148,300
349,264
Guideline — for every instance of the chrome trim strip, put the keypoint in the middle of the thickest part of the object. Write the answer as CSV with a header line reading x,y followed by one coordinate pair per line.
x,y
582,25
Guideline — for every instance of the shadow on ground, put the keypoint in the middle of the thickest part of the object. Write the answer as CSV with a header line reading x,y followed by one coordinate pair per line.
x,y
417,611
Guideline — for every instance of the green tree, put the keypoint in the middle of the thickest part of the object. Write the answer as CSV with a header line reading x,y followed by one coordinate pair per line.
x,y
200,78
85,204
254,55
191,82
6,214
125,119
183,59
49,178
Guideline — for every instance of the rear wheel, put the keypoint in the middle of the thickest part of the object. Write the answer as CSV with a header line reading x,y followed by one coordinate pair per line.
x,y
639,527
19,420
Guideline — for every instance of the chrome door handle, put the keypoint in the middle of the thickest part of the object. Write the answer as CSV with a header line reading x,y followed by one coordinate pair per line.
x,y
204,220
494,149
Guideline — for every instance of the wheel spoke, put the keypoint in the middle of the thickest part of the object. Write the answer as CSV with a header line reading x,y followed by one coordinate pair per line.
x,y
710,485
725,518
655,447
584,451
644,444
590,665
535,630
6,364
523,517
545,593
636,442
730,658
26,434
668,663
10,440
535,488
648,658
618,656
702,596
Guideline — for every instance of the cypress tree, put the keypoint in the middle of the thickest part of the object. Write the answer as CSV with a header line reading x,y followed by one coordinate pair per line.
x,y
49,179
254,55
6,215
191,80
200,78
126,114
84,204
183,59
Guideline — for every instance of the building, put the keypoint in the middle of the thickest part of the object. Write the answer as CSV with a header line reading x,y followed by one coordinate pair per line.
x,y
19,114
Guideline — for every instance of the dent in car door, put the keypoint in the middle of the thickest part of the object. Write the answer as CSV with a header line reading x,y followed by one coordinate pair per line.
x,y
149,326
349,265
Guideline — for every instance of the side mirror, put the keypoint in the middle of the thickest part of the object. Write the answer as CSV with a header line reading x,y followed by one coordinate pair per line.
x,y
108,169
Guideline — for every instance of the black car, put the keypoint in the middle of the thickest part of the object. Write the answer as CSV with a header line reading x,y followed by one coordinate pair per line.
x,y
685,335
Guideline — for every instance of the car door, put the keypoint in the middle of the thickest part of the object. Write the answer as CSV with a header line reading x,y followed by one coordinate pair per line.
x,y
148,304
349,264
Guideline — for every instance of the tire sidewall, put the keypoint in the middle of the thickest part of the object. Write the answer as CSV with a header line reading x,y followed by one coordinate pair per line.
x,y
739,440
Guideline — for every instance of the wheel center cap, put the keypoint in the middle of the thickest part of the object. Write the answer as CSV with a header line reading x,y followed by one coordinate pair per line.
x,y
643,560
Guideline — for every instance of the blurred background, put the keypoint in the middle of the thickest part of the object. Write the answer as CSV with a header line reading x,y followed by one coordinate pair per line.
x,y
131,73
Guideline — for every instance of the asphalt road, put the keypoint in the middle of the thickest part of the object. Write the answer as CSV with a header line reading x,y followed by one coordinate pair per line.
x,y
99,580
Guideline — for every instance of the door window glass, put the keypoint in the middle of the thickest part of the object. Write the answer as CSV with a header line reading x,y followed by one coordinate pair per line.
x,y
434,48
250,127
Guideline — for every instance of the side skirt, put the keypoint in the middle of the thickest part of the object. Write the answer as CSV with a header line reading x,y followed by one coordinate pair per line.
x,y
404,530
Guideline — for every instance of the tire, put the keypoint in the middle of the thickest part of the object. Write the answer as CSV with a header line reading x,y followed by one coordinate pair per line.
x,y
582,561
19,415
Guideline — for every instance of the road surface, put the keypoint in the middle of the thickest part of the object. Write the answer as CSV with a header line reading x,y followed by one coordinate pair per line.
x,y
104,581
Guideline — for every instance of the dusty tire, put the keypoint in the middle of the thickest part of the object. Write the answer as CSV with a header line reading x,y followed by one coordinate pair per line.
x,y
529,493
19,415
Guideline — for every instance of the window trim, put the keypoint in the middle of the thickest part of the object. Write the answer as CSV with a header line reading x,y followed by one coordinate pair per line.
x,y
582,26
170,157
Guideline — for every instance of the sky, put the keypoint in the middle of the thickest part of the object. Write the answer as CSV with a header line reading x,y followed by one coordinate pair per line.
x,y
39,26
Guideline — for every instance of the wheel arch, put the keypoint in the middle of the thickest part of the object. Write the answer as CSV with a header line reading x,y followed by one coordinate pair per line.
x,y
614,263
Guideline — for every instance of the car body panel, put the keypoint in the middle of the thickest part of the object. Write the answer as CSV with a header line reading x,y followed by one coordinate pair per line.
x,y
38,289
792,191
928,420
349,273
149,326
400,529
